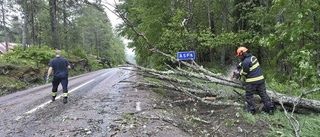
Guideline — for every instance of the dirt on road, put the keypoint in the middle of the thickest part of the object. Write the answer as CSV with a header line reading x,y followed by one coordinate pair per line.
x,y
102,105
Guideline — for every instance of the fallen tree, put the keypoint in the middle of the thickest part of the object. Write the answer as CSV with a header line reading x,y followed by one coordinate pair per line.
x,y
193,81
184,81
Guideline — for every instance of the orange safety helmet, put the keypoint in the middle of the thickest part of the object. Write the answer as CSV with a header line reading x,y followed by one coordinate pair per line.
x,y
241,50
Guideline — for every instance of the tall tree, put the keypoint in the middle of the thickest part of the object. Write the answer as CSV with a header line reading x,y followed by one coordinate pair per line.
x,y
54,24
4,23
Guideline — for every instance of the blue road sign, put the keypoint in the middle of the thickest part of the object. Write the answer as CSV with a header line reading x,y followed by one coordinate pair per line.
x,y
186,55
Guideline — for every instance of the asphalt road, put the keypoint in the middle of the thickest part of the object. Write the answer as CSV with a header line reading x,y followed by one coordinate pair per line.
x,y
99,105
23,113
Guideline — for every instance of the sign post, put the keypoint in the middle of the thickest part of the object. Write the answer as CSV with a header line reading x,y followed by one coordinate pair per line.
x,y
186,55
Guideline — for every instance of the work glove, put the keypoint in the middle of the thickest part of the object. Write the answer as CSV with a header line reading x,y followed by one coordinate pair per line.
x,y
236,74
47,79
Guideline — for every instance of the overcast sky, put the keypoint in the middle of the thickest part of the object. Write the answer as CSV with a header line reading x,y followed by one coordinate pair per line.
x,y
113,18
115,21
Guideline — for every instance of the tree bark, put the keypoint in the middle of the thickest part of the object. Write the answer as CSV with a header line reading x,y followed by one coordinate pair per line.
x,y
306,104
33,23
53,14
65,37
24,31
225,26
169,80
172,6
4,26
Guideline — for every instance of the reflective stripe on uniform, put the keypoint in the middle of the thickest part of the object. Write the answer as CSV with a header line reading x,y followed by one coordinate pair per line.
x,y
242,72
253,61
64,94
54,93
254,66
255,79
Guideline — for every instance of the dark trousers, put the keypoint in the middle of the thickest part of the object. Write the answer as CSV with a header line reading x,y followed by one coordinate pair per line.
x,y
259,89
63,79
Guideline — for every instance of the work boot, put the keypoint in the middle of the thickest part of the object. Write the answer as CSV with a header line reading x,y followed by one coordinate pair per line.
x,y
53,98
270,110
65,100
246,108
252,112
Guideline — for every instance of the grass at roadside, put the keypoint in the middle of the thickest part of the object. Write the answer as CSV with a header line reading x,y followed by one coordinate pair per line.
x,y
280,125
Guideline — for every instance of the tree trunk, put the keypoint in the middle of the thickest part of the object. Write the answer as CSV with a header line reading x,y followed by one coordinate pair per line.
x,y
24,31
170,80
190,26
32,23
53,14
65,24
172,6
302,103
240,11
39,35
225,26
209,13
4,26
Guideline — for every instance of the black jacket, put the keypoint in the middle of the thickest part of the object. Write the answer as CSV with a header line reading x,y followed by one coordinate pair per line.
x,y
251,70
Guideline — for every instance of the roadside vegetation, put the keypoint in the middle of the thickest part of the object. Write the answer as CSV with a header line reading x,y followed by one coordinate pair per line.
x,y
219,120
40,27
282,34
21,69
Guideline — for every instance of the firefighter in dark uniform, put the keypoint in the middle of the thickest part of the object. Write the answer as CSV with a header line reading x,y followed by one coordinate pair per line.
x,y
254,81
60,67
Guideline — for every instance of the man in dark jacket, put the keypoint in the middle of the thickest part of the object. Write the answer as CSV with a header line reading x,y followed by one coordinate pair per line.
x,y
60,67
254,81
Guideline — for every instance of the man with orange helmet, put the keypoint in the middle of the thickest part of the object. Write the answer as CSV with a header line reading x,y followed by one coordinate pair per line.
x,y
254,81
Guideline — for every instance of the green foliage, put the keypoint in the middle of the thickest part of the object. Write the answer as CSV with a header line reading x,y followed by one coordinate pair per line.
x,y
34,62
127,116
94,63
80,52
275,31
280,126
76,28
10,84
32,55
151,23
311,125
160,91
252,119
208,39
304,71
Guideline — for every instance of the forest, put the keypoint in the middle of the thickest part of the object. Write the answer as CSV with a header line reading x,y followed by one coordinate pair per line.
x,y
282,34
75,26
31,30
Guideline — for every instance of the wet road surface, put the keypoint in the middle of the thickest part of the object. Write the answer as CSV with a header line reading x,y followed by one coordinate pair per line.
x,y
99,104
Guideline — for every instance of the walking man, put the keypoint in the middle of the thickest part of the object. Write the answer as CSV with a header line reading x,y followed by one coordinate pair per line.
x,y
255,83
60,67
